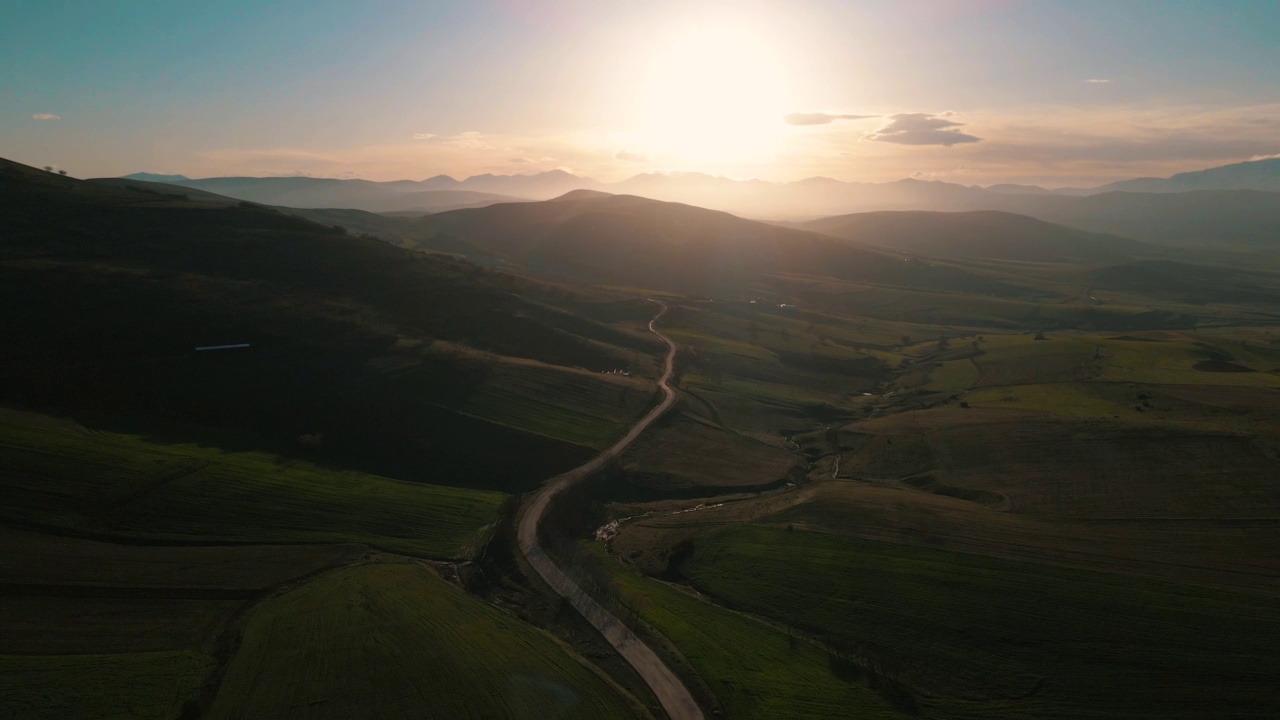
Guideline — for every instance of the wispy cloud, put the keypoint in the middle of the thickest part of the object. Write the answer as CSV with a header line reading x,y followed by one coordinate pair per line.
x,y
470,140
1255,158
817,118
46,116
424,136
1098,81
630,156
923,129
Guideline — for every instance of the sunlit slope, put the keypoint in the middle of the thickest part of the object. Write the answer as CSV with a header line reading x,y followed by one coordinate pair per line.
x,y
630,240
982,234
396,641
116,486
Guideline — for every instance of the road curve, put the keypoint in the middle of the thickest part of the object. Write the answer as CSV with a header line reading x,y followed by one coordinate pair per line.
x,y
674,696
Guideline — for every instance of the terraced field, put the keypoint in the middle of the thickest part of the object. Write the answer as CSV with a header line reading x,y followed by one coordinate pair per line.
x,y
588,409
116,485
146,686
97,630
396,641
694,455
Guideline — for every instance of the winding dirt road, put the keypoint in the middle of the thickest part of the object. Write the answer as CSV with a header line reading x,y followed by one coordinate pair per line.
x,y
674,696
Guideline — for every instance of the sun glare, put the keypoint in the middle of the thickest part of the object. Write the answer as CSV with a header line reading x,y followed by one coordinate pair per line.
x,y
714,94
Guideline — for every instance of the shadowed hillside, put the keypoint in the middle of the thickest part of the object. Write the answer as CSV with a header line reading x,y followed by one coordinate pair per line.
x,y
1209,218
979,234
383,352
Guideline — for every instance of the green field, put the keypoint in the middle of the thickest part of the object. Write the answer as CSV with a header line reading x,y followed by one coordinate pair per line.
x,y
953,376
588,409
396,641
1000,638
145,686
754,670
122,485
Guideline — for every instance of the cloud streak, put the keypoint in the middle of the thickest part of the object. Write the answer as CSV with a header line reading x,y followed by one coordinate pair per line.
x,y
817,118
923,129
46,116
630,156
1098,81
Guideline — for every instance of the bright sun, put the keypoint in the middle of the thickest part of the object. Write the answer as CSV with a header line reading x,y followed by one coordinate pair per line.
x,y
714,94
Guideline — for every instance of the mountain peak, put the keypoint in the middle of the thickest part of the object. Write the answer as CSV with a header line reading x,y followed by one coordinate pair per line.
x,y
582,194
154,177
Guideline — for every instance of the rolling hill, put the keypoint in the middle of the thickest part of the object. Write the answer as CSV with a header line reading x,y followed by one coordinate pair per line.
x,y
978,234
394,229
1208,218
392,355
629,240
1242,211
304,192
431,195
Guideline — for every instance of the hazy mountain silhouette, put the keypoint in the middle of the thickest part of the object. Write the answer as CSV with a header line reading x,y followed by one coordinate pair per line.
x,y
1209,218
977,234
153,177
630,240
1263,175
1231,216
304,192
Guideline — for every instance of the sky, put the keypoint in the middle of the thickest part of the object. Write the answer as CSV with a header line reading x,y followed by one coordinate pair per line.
x,y
1052,92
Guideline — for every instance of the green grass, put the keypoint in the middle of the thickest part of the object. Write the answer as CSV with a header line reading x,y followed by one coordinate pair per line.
x,y
140,686
1066,400
123,485
706,342
953,376
1020,360
396,641
752,668
584,409
1010,637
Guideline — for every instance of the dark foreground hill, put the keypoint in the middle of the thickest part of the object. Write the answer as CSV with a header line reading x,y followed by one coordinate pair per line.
x,y
303,192
629,240
106,292
979,234
396,230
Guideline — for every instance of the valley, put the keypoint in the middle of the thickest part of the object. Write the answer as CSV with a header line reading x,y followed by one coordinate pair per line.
x,y
890,464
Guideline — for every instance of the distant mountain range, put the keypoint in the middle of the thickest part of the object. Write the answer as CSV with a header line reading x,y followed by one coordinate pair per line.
x,y
977,234
813,197
1262,175
1235,204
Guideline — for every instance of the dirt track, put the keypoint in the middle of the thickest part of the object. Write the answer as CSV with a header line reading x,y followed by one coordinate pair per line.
x,y
674,696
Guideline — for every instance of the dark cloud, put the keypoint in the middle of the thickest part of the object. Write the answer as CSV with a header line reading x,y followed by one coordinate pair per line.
x,y
820,118
630,156
520,160
923,129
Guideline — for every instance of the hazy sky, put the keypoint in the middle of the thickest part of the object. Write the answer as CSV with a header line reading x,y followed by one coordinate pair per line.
x,y
972,91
